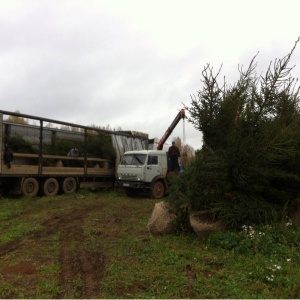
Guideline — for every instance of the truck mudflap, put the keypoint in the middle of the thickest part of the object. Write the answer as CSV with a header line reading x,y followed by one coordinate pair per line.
x,y
129,184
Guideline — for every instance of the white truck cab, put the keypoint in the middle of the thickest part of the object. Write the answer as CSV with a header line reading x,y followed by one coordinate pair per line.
x,y
143,170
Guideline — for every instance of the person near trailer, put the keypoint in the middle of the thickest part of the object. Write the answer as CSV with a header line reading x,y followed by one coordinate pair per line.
x,y
8,157
173,155
74,152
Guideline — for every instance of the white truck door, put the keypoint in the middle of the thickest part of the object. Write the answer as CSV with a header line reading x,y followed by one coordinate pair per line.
x,y
153,167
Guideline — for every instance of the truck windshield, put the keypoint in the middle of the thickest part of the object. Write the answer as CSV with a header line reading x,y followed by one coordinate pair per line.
x,y
133,159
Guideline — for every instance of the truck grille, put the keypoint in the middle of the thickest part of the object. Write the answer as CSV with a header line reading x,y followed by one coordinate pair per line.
x,y
129,176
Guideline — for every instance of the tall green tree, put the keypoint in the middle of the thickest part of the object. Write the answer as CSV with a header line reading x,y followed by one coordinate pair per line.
x,y
248,170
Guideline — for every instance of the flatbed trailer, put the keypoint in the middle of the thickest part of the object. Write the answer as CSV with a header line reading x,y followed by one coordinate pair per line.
x,y
39,172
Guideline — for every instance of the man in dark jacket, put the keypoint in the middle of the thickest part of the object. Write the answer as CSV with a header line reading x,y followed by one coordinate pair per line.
x,y
173,155
8,157
74,152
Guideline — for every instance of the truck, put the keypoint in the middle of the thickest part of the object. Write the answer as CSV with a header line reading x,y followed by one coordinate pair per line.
x,y
40,165
147,170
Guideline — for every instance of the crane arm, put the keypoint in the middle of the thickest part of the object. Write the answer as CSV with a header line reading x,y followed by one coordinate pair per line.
x,y
180,115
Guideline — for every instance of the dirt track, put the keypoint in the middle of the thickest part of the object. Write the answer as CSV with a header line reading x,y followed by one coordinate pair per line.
x,y
77,261
77,264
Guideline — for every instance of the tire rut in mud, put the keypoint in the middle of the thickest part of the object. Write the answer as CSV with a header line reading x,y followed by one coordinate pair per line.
x,y
10,247
81,269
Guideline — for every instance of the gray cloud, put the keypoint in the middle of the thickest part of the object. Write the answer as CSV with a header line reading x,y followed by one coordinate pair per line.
x,y
93,63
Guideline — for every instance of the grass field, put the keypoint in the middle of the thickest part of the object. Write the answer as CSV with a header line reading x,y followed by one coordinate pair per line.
x,y
96,245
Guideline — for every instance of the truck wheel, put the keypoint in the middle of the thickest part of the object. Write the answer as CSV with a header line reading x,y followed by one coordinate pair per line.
x,y
69,185
158,190
50,187
30,187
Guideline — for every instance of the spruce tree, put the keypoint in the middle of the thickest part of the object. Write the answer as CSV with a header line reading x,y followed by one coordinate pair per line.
x,y
248,170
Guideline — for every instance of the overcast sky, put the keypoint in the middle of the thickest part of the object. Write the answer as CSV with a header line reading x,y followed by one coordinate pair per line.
x,y
132,63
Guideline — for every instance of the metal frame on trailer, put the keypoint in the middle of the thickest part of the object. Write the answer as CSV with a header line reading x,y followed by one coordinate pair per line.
x,y
122,141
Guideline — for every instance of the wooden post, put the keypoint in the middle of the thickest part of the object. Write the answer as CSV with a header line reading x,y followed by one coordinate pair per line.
x,y
41,149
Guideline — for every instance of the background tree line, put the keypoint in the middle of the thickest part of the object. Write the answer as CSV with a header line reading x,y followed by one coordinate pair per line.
x,y
99,144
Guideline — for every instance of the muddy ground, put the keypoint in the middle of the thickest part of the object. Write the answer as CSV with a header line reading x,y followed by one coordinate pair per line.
x,y
65,257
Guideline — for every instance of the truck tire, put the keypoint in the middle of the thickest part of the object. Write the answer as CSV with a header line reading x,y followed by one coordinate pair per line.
x,y
69,185
50,187
30,187
158,190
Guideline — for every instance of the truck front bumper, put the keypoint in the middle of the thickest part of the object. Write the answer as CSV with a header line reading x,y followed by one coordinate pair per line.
x,y
129,184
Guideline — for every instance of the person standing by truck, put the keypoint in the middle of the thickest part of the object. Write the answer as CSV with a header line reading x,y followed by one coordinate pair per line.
x,y
74,152
8,157
173,155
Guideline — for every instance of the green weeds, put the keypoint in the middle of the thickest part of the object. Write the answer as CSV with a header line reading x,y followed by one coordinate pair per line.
x,y
96,245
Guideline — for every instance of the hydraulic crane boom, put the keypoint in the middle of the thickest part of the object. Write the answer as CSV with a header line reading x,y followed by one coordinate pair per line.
x,y
180,115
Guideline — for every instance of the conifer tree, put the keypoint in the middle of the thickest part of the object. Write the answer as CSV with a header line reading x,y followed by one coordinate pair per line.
x,y
248,170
